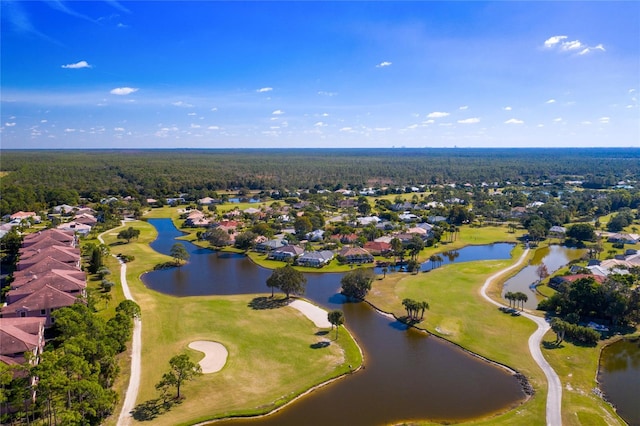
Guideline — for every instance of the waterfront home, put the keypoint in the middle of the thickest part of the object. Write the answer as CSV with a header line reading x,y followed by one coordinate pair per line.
x,y
315,259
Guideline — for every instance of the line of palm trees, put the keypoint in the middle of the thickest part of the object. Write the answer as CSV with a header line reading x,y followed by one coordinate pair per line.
x,y
516,299
414,307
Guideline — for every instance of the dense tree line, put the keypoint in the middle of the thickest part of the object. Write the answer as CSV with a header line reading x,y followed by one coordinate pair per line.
x,y
38,180
616,301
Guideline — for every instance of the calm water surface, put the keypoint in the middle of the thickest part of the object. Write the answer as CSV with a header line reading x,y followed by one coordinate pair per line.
x,y
553,257
619,378
407,374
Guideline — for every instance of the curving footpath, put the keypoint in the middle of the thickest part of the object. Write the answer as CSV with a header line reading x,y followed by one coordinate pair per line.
x,y
554,393
136,351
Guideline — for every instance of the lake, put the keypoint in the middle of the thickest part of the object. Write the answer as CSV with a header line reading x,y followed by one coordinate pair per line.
x,y
408,374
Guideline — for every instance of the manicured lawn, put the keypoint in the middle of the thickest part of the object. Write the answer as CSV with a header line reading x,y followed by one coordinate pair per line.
x,y
458,313
271,358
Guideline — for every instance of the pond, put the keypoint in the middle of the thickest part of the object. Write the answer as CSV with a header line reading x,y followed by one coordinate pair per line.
x,y
619,377
553,258
408,375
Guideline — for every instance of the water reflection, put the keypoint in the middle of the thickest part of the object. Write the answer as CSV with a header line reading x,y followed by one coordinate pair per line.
x,y
619,378
407,375
553,258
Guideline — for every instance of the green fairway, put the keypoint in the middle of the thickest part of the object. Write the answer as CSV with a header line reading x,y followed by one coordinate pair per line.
x,y
271,354
459,314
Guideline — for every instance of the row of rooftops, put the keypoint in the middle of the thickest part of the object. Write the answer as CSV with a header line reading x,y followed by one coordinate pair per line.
x,y
47,277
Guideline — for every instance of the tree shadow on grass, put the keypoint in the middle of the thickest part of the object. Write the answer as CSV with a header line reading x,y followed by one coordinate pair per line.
x,y
322,333
260,303
552,345
320,345
151,409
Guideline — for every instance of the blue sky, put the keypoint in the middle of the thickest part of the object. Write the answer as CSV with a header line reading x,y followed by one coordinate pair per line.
x,y
215,74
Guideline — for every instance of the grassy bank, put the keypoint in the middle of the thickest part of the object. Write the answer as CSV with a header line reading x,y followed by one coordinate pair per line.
x,y
459,314
271,351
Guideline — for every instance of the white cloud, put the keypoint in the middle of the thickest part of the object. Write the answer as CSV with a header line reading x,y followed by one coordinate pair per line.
x,y
585,122
118,129
586,50
437,114
382,129
192,114
551,101
513,121
429,121
552,41
213,128
604,120
182,104
277,112
471,120
346,129
507,108
68,130
123,91
43,121
384,64
195,126
464,107
77,65
214,109
264,89
557,120
561,43
323,93
10,124
320,124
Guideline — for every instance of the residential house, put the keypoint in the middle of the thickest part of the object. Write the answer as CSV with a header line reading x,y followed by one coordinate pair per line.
x,y
40,304
270,245
348,203
85,219
67,255
64,237
79,228
315,259
377,248
289,252
70,282
207,201
367,220
557,231
557,281
19,336
355,255
623,238
18,216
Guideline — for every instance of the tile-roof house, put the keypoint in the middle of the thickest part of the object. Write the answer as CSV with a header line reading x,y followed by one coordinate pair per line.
x,y
23,215
377,247
74,284
64,237
85,219
315,259
270,245
63,254
42,244
355,255
77,227
40,304
20,335
44,266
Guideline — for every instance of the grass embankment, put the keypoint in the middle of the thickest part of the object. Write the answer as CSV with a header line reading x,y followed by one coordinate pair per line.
x,y
459,314
271,358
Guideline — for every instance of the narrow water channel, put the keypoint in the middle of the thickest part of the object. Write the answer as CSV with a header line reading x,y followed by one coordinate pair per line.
x,y
553,258
407,376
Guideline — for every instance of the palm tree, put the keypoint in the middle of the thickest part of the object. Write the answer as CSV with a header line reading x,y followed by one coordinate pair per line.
x,y
510,297
423,306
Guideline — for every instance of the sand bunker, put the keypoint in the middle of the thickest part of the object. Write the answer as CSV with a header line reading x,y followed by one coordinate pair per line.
x,y
215,355
311,311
